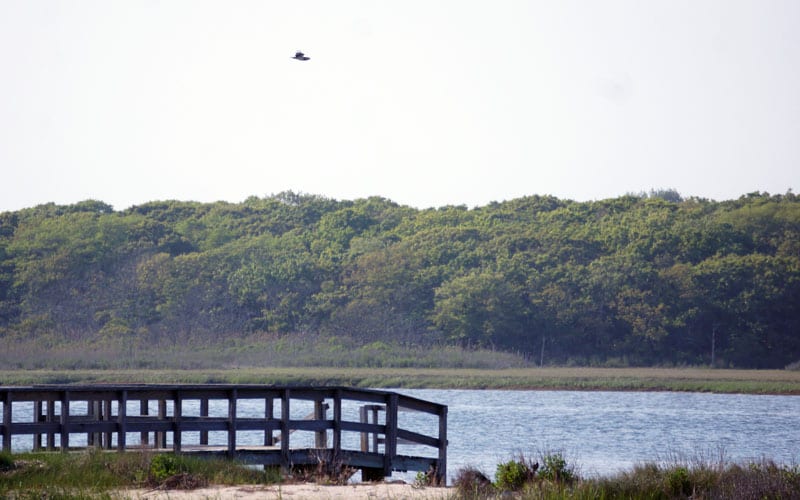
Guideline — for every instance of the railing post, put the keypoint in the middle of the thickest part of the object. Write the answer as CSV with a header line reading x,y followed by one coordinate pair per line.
x,y
363,417
375,438
64,421
320,411
37,417
204,413
232,397
106,417
93,410
441,470
122,421
7,422
51,436
144,410
176,422
390,439
337,422
285,430
269,439
161,436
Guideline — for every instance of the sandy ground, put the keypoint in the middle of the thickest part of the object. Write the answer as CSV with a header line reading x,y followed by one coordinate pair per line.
x,y
393,491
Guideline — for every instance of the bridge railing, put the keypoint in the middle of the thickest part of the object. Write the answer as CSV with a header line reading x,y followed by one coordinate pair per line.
x,y
110,418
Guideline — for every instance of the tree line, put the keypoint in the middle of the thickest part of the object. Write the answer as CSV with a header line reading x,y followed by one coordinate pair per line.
x,y
644,279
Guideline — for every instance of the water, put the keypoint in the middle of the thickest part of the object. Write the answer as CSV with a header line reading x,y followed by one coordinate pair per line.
x,y
605,432
600,433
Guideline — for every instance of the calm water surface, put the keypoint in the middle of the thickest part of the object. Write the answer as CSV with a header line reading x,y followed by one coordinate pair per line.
x,y
605,432
598,432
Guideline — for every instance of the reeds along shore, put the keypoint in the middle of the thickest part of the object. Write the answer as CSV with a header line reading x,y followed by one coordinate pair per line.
x,y
563,378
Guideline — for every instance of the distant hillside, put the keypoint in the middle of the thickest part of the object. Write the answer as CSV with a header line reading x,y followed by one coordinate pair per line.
x,y
633,280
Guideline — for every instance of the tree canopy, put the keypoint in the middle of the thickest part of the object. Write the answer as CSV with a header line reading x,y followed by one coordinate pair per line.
x,y
639,279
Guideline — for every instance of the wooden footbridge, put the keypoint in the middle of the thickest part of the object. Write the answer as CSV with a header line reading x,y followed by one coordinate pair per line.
x,y
255,424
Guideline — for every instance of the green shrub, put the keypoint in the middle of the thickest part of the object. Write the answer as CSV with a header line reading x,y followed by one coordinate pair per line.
x,y
512,475
165,466
555,468
678,481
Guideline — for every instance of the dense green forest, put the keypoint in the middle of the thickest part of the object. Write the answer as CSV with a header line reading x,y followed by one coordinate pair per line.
x,y
649,279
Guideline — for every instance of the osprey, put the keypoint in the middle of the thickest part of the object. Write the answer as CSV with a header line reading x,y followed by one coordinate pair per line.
x,y
300,56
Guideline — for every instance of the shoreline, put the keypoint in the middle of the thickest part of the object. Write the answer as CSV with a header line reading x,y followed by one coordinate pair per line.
x,y
728,381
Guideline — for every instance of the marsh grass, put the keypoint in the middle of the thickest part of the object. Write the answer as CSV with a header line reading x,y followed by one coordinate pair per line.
x,y
611,379
242,352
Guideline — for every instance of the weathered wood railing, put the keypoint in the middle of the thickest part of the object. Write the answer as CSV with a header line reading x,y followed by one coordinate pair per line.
x,y
112,419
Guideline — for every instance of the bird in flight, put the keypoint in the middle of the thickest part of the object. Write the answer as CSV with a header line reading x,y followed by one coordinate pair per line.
x,y
300,56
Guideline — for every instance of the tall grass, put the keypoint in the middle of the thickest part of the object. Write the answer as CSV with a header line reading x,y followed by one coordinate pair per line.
x,y
85,474
676,480
238,352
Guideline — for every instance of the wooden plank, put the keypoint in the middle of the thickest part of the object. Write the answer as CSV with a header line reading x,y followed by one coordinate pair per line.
x,y
359,427
310,425
415,438
415,404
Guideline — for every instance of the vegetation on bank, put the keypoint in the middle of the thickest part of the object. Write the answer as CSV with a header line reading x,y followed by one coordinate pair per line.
x,y
551,477
574,378
97,474
650,279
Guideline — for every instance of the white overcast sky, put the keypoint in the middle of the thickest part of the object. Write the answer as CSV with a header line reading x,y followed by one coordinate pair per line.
x,y
425,102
